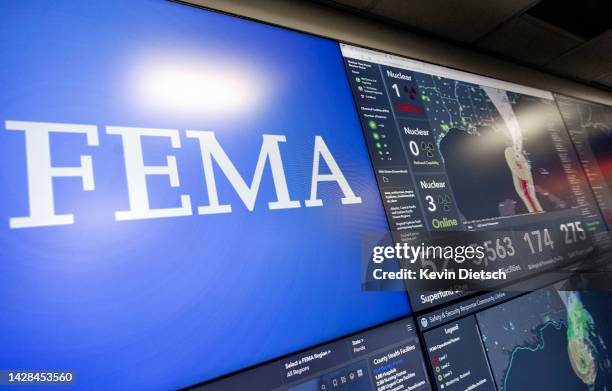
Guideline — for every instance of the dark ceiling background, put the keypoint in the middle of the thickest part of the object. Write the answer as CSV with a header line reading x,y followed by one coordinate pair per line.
x,y
572,39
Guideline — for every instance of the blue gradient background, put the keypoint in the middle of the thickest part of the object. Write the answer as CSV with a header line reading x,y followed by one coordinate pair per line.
x,y
164,303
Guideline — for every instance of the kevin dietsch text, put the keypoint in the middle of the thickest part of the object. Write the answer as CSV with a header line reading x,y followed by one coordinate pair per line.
x,y
444,275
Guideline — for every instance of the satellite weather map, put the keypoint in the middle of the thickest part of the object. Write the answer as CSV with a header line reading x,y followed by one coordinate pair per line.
x,y
549,339
590,126
505,138
597,120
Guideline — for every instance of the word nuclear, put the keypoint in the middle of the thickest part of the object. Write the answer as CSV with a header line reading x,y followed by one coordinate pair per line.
x,y
41,173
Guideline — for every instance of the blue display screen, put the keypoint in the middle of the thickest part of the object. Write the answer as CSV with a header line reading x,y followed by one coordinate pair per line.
x,y
160,222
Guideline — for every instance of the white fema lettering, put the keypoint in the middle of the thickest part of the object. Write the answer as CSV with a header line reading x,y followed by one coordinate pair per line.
x,y
41,173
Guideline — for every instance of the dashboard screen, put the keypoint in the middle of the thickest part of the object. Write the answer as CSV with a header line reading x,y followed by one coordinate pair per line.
x,y
183,194
590,126
388,357
454,151
550,338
